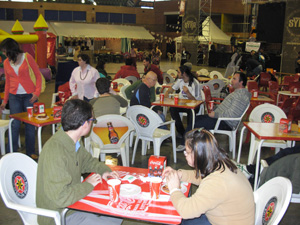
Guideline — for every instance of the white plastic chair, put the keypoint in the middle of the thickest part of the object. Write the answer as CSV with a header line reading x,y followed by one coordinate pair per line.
x,y
178,57
168,79
18,167
230,133
54,95
131,79
215,93
203,72
147,123
266,113
122,82
101,144
220,76
272,200
3,128
172,72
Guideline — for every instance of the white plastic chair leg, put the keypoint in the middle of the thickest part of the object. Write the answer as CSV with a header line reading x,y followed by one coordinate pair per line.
x,y
134,150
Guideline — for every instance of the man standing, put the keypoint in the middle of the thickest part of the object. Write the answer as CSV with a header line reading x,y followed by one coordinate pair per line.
x,y
154,68
233,106
61,164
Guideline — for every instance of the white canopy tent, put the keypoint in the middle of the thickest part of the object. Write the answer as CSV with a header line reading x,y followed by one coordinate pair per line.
x,y
211,33
85,30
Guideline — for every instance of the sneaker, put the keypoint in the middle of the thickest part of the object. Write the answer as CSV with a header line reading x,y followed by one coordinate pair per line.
x,y
180,148
244,170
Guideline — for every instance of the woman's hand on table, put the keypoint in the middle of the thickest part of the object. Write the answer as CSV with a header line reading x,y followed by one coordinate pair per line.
x,y
166,171
33,98
173,180
112,174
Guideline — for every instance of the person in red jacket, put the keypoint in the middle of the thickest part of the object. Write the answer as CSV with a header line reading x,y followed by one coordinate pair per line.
x,y
154,68
20,90
127,70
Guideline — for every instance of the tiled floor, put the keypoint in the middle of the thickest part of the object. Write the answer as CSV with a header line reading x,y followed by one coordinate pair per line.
x,y
11,217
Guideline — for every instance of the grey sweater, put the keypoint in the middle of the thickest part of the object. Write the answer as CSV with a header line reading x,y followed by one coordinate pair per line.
x,y
233,105
108,105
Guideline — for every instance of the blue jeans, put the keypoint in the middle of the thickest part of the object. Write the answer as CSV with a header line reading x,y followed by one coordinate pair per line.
x,y
202,220
18,103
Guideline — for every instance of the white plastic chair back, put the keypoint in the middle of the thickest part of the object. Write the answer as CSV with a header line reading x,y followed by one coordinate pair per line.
x,y
121,82
267,113
167,78
100,136
131,79
215,93
122,92
147,123
18,187
172,72
203,72
217,73
271,200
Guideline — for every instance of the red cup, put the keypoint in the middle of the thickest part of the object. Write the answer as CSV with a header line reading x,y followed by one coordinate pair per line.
x,y
30,111
155,184
176,97
211,105
161,97
114,189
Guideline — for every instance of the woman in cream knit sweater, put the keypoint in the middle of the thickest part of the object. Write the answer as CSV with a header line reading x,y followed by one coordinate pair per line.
x,y
224,195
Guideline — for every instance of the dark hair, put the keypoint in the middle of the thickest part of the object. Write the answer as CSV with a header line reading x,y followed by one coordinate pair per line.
x,y
128,61
85,58
208,156
186,69
100,64
147,59
11,49
74,113
243,78
102,85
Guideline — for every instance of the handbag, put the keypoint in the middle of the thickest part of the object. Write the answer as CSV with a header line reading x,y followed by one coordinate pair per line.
x,y
33,78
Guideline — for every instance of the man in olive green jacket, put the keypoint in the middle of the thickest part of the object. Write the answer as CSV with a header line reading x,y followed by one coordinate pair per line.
x,y
62,162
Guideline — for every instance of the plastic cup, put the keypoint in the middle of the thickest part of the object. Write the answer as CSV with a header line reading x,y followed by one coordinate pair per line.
x,y
114,189
155,183
161,97
176,97
30,111
255,94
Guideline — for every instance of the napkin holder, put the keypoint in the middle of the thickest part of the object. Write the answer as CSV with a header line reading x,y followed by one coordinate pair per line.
x,y
38,108
156,165
285,125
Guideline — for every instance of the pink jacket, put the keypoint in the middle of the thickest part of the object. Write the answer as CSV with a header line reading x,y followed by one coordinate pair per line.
x,y
12,80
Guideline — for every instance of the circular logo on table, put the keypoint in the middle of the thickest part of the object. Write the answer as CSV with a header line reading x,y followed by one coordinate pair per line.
x,y
267,117
20,184
269,210
142,120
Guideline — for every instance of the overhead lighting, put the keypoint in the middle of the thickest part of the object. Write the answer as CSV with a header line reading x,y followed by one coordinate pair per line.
x,y
82,1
